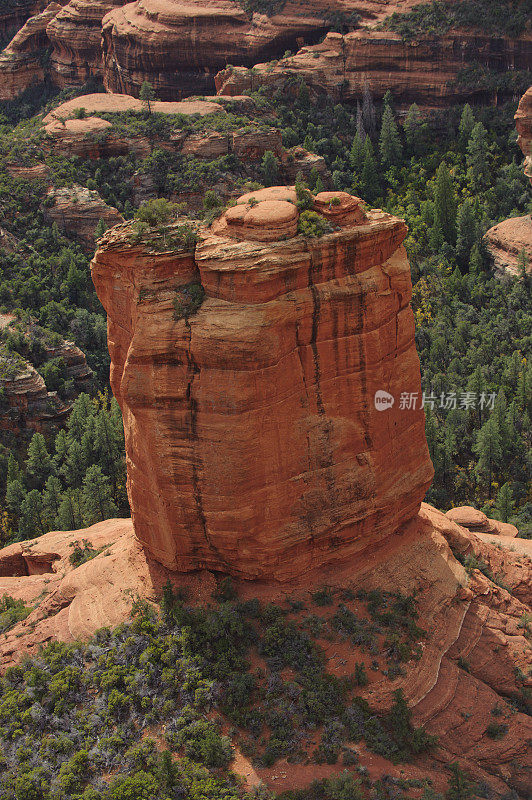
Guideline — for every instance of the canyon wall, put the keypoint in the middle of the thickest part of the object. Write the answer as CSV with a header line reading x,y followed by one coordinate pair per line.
x,y
179,47
425,71
253,442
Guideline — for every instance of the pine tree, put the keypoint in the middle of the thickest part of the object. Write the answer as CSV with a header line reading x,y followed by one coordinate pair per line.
x,y
466,232
96,496
13,470
15,494
32,521
69,517
476,262
445,204
390,142
523,263
101,227
387,101
319,187
313,178
74,466
147,96
270,169
38,462
52,497
505,502
82,411
487,447
412,129
357,154
467,123
370,182
478,172
360,123
460,787
368,111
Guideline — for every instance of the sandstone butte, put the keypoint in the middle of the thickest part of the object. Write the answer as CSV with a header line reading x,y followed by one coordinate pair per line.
x,y
508,239
254,448
253,443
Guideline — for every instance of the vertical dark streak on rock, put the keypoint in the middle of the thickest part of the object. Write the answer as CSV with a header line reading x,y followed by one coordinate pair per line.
x,y
194,370
326,427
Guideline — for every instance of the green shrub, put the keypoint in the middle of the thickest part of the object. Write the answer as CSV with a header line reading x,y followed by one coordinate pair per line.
x,y
11,612
188,300
310,224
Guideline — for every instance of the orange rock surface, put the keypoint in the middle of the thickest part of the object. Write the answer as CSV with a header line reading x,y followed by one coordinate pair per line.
x,y
21,62
253,442
477,522
506,241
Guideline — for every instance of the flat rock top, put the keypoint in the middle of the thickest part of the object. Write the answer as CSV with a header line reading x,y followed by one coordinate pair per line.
x,y
77,127
115,103
271,193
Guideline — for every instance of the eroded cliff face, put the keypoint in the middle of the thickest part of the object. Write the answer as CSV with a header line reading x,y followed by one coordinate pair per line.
x,y
425,71
253,443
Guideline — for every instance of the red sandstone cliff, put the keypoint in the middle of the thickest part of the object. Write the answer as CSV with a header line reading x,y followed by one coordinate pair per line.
x,y
425,71
253,443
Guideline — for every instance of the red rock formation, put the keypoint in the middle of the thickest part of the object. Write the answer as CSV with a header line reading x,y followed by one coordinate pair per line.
x,y
477,522
78,211
523,123
26,403
13,16
294,329
424,71
506,242
21,61
475,637
75,35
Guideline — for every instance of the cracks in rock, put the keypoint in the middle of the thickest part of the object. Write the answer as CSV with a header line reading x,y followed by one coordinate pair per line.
x,y
193,371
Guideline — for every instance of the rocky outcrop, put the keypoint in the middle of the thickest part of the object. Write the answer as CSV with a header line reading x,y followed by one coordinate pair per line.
x,y
477,522
25,402
474,655
78,210
523,123
425,71
295,329
21,63
506,243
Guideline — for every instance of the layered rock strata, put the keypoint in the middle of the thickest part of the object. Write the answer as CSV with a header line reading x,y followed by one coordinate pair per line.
x,y
21,63
253,443
75,35
78,210
425,71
